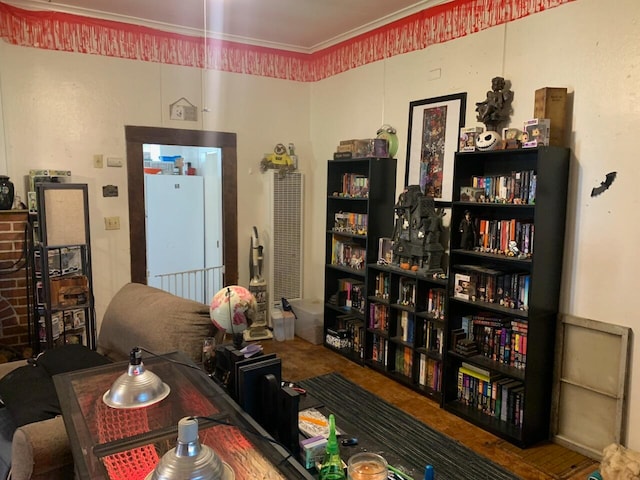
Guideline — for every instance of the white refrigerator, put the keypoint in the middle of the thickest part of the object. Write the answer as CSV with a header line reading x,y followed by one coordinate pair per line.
x,y
175,229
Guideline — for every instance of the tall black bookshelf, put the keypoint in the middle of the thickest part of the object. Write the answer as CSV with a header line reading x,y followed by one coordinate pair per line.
x,y
360,210
505,297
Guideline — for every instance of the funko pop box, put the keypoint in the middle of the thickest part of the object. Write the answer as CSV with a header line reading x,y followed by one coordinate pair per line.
x,y
536,132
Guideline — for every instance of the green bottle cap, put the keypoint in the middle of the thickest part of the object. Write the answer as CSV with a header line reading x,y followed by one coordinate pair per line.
x,y
332,441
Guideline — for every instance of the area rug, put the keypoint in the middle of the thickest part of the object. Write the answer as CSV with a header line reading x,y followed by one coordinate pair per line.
x,y
407,443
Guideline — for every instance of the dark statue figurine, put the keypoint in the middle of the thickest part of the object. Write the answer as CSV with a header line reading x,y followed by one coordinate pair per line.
x,y
495,110
468,234
416,235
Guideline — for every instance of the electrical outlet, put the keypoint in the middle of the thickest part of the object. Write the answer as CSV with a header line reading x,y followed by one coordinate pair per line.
x,y
98,161
112,223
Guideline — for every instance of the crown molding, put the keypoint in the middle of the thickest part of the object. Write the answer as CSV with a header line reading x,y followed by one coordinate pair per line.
x,y
44,5
369,27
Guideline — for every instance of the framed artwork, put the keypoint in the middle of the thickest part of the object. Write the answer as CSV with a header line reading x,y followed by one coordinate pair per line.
x,y
432,141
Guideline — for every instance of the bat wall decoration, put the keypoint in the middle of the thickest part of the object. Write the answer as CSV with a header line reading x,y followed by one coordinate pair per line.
x,y
611,176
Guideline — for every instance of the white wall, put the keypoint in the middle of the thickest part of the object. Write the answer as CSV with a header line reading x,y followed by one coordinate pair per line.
x,y
61,108
590,47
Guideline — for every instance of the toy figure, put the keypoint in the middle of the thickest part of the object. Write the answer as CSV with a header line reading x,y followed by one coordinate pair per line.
x,y
495,109
468,235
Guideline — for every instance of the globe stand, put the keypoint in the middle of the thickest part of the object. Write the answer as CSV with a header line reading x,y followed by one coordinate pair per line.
x,y
238,341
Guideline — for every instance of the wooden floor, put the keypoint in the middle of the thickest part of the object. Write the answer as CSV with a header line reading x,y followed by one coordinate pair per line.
x,y
301,359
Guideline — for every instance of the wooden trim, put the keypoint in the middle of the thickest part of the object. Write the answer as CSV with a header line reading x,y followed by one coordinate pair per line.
x,y
137,136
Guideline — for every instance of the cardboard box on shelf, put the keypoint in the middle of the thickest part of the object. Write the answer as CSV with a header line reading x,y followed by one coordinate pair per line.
x,y
551,103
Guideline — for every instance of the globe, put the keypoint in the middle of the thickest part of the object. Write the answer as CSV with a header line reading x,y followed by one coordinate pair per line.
x,y
232,309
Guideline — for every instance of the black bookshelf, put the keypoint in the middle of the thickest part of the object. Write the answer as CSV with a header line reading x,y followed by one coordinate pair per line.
x,y
405,327
527,306
358,189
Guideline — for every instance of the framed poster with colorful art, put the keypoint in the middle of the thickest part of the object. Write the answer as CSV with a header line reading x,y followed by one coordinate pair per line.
x,y
432,141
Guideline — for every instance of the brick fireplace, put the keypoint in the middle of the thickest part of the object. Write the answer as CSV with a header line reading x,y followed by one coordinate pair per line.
x,y
14,302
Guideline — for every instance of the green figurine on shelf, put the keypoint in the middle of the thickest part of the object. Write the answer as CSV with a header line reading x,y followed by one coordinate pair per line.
x,y
332,468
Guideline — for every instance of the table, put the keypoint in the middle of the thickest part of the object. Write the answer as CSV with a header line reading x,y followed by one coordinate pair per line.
x,y
119,444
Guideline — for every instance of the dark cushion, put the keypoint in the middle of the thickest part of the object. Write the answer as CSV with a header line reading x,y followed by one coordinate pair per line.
x,y
69,358
29,395
28,392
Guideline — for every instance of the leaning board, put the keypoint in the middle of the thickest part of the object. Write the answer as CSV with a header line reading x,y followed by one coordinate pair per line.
x,y
590,385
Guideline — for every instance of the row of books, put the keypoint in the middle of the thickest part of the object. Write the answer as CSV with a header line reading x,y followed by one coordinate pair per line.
x,y
495,236
352,294
404,361
355,333
355,185
505,343
433,336
517,187
502,398
430,373
436,303
379,349
347,253
382,285
482,284
406,327
350,222
379,316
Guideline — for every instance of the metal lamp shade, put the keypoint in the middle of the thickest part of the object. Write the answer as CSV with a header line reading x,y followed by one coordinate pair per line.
x,y
190,460
137,388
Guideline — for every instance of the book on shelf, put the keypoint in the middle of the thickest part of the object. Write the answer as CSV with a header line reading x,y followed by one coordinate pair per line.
x,y
430,373
433,336
436,301
404,361
407,323
382,285
466,347
379,349
378,316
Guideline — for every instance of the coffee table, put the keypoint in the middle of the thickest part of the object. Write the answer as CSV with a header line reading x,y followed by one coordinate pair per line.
x,y
126,444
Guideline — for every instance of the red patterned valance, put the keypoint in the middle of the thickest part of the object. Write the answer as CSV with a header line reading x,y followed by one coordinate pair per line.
x,y
74,33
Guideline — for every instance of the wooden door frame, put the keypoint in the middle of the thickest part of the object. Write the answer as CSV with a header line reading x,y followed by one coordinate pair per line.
x,y
136,137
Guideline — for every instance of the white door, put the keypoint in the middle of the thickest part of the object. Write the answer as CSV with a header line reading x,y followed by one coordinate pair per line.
x,y
175,231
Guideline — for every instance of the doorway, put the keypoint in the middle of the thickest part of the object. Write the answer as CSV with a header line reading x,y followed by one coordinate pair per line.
x,y
136,137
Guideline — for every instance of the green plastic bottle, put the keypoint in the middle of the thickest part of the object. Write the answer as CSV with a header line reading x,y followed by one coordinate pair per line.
x,y
331,468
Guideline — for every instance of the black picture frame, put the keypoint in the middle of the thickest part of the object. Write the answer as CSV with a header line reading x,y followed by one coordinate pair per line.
x,y
432,141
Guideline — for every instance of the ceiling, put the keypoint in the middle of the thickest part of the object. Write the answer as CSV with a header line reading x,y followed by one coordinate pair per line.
x,y
298,25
